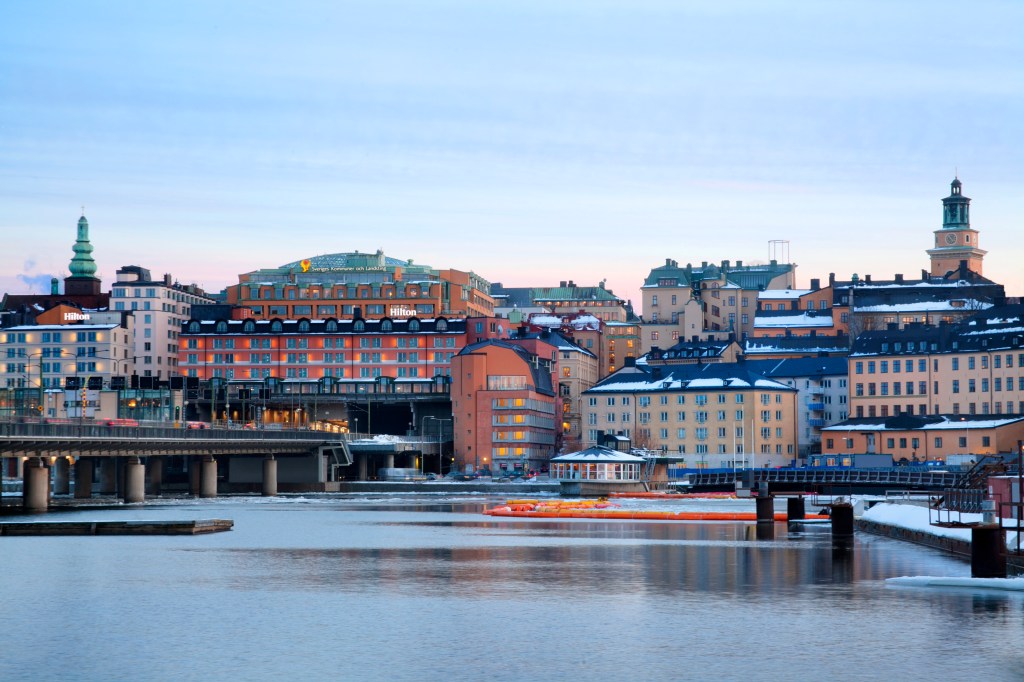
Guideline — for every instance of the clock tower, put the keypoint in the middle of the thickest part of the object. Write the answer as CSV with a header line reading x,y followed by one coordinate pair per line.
x,y
956,241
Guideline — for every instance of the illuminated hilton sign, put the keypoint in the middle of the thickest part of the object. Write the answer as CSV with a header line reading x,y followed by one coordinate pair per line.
x,y
401,311
76,317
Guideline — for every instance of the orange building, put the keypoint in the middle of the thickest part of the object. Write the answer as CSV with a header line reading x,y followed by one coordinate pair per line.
x,y
349,285
503,406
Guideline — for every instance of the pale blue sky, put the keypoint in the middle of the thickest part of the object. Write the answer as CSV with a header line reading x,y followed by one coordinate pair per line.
x,y
531,142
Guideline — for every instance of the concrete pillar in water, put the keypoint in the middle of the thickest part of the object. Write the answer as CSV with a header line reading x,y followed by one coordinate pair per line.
x,y
269,476
842,520
62,476
108,476
154,475
83,478
362,466
795,508
208,477
36,485
194,472
765,509
988,546
134,481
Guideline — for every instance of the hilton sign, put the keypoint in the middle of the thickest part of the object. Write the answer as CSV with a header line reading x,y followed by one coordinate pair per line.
x,y
401,311
76,317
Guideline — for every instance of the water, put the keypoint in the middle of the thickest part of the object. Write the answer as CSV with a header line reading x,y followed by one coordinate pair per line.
x,y
427,588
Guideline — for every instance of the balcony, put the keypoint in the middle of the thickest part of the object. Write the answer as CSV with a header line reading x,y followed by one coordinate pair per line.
x,y
816,407
816,423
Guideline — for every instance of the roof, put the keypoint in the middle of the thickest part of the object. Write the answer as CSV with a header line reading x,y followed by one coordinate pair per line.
x,y
598,453
770,319
722,375
906,422
808,345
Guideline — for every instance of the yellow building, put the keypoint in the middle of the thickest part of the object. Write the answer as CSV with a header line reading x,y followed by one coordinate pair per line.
x,y
704,416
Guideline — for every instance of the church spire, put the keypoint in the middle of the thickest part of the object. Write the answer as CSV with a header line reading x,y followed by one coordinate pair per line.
x,y
83,279
82,265
956,208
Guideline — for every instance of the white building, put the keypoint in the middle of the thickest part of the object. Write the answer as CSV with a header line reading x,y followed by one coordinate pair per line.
x,y
160,308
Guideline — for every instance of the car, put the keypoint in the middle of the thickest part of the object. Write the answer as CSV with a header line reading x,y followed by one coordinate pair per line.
x,y
457,476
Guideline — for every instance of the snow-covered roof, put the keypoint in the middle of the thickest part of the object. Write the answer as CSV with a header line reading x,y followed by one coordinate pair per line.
x,y
598,453
781,294
963,306
795,320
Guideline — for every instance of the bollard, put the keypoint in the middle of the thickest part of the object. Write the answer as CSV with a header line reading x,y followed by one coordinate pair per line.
x,y
269,476
842,520
795,508
765,509
988,551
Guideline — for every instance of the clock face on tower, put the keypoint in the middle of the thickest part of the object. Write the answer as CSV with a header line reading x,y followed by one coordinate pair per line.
x,y
951,239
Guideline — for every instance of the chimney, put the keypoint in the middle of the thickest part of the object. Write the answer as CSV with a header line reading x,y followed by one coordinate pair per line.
x,y
656,373
562,284
739,264
54,286
629,361
867,279
668,262
815,284
167,279
831,279
899,278
725,265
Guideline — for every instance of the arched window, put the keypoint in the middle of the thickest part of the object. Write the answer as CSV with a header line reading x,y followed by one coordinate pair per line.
x,y
193,327
248,326
276,327
222,327
303,326
441,325
331,327
414,324
359,326
385,325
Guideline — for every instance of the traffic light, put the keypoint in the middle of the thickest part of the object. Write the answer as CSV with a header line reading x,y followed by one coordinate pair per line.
x,y
177,413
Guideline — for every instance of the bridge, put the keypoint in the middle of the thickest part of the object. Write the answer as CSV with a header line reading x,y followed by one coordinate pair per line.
x,y
824,480
132,458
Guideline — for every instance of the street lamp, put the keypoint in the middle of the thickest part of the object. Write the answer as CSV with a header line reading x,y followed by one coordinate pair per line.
x,y
440,456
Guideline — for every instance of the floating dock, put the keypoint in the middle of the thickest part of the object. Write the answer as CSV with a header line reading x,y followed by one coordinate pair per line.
x,y
596,509
199,527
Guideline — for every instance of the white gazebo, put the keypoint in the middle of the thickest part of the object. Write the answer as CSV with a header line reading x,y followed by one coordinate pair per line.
x,y
598,471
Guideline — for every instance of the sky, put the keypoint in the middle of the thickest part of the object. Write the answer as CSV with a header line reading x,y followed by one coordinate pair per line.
x,y
529,142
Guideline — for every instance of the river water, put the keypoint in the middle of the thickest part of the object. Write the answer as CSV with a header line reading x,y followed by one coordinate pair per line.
x,y
423,587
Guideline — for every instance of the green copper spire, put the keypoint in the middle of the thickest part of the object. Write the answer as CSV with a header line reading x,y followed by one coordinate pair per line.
x,y
82,265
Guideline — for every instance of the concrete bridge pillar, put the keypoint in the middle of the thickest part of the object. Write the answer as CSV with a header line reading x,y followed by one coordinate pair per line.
x,y
765,509
362,466
269,476
108,476
208,477
36,485
134,481
194,472
389,461
154,475
83,478
62,476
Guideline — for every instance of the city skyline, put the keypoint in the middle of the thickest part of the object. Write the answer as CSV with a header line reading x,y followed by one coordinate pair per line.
x,y
598,139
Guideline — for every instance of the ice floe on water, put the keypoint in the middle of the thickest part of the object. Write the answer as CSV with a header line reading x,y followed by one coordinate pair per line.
x,y
1000,584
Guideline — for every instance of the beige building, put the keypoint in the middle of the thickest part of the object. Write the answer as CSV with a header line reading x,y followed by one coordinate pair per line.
x,y
924,438
975,367
703,416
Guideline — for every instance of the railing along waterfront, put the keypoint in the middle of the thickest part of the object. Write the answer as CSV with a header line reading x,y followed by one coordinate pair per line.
x,y
90,429
895,476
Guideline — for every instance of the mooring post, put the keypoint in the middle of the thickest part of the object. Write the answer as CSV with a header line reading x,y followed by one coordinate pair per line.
x,y
795,510
765,509
842,520
988,545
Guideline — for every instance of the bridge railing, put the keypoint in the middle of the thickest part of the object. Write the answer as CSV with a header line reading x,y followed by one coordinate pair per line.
x,y
90,429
